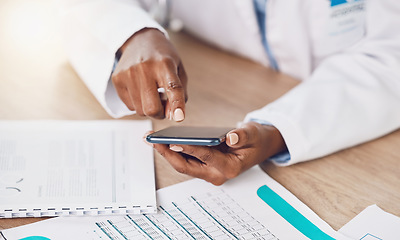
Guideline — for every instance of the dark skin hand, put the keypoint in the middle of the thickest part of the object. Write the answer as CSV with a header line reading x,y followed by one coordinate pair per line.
x,y
244,147
149,61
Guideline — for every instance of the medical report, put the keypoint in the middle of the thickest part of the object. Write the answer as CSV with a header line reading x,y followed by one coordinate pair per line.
x,y
52,168
251,206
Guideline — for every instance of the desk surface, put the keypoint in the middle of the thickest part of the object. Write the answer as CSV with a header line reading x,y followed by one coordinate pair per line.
x,y
37,82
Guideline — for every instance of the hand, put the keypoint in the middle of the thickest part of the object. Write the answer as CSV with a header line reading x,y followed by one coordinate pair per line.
x,y
148,62
244,147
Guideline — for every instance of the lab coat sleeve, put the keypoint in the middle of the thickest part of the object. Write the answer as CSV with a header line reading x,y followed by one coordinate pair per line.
x,y
94,30
351,97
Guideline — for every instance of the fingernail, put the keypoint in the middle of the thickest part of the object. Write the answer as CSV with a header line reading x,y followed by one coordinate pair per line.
x,y
176,148
178,115
233,138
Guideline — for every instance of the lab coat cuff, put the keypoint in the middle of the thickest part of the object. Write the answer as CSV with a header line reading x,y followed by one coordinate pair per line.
x,y
113,104
94,40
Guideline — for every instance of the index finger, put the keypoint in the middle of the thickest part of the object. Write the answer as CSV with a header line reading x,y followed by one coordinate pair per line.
x,y
151,100
175,91
223,162
190,166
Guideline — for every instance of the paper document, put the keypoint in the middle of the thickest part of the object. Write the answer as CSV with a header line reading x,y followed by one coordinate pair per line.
x,y
198,210
51,168
373,224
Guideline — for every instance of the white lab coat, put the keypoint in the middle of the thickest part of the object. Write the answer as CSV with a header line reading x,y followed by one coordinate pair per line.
x,y
347,55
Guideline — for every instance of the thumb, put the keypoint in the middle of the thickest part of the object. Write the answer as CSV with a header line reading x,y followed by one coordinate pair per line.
x,y
237,138
246,135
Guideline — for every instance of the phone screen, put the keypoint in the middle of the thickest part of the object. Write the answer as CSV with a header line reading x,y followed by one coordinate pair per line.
x,y
206,136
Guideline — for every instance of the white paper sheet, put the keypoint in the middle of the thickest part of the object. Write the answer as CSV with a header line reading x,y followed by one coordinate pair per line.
x,y
75,167
190,210
373,224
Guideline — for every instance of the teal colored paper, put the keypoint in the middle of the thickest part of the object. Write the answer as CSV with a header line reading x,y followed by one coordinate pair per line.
x,y
35,238
291,215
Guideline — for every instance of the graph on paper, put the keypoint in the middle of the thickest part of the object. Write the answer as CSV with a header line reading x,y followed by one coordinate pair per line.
x,y
213,215
252,206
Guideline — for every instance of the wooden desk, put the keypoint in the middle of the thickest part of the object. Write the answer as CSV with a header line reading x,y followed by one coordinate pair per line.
x,y
37,82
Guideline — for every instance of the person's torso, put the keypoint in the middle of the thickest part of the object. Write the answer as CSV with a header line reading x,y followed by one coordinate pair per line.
x,y
300,33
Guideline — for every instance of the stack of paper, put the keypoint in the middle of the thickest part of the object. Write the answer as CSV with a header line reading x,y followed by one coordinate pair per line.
x,y
53,168
198,210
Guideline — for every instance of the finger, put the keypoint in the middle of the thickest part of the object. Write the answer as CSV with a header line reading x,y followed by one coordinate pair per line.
x,y
164,102
150,98
175,91
126,98
184,79
134,91
122,92
136,99
176,160
168,112
189,166
208,155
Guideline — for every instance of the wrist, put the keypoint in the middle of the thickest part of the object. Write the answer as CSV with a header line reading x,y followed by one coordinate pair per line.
x,y
273,141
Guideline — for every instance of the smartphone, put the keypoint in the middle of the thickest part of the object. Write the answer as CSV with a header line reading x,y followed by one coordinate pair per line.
x,y
204,136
